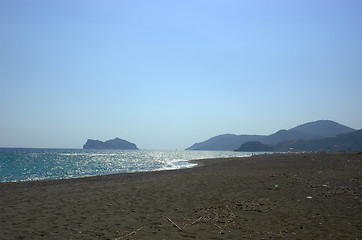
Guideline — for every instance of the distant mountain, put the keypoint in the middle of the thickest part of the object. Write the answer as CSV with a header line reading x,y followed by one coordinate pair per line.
x,y
116,143
311,130
284,135
349,142
323,128
225,142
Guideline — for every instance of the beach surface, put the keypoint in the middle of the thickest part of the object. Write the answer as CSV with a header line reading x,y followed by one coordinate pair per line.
x,y
276,196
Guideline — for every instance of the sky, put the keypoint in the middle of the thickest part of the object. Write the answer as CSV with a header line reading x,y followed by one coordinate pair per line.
x,y
166,74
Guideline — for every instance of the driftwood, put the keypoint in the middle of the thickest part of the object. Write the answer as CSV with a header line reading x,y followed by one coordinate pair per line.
x,y
129,234
197,220
173,223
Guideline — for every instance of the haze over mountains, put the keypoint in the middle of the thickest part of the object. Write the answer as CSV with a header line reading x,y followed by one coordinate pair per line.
x,y
322,135
348,142
312,130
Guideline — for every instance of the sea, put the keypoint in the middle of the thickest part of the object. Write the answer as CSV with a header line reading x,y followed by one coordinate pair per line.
x,y
43,164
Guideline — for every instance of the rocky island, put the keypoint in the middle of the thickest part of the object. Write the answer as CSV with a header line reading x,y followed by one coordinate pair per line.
x,y
116,143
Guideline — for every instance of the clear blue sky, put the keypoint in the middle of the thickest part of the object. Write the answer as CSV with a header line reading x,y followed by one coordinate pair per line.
x,y
166,74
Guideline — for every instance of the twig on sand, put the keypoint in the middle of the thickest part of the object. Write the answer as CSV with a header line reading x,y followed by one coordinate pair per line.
x,y
129,234
173,223
221,230
197,220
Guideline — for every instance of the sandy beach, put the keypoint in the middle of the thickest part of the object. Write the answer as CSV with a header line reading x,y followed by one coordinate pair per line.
x,y
277,196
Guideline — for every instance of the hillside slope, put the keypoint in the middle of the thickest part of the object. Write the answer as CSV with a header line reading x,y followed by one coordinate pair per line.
x,y
307,131
349,142
323,128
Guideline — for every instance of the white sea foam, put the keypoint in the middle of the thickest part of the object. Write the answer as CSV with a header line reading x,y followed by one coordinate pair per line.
x,y
176,164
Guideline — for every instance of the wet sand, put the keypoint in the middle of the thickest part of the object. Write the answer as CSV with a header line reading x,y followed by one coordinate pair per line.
x,y
278,196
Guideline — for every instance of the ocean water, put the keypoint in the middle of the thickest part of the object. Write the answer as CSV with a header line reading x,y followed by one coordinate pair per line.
x,y
40,164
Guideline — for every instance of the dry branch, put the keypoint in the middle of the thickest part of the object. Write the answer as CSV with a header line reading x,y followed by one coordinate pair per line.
x,y
173,223
129,234
197,220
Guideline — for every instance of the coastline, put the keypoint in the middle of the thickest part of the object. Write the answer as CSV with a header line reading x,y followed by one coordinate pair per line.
x,y
273,195
42,164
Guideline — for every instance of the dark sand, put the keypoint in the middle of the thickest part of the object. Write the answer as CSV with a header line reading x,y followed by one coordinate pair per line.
x,y
290,196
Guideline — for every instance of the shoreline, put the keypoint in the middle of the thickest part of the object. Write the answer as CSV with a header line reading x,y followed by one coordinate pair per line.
x,y
198,162
125,161
295,196
110,177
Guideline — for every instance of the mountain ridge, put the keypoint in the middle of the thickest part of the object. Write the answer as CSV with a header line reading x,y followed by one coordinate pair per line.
x,y
348,142
311,130
341,142
324,128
